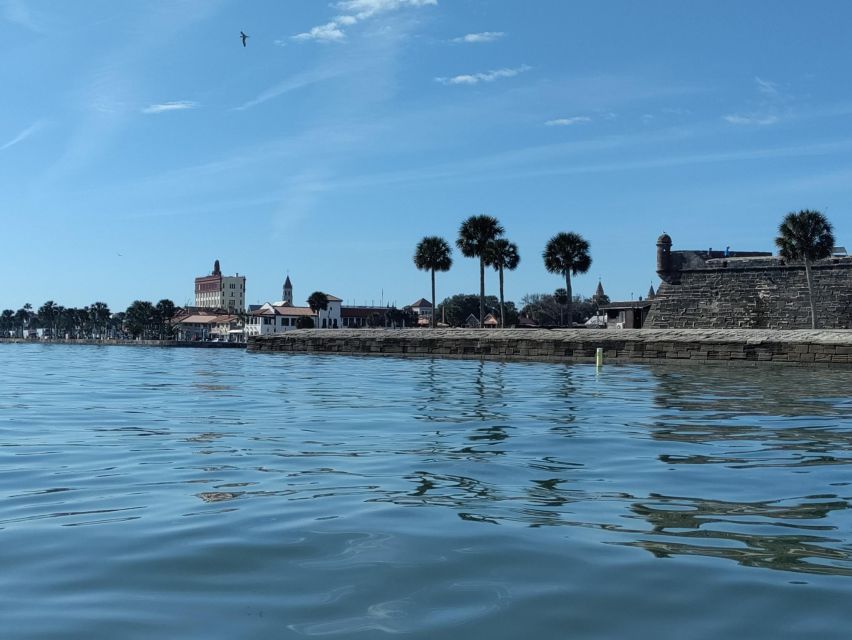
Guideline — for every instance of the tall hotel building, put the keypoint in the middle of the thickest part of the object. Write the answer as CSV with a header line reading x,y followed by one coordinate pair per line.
x,y
220,292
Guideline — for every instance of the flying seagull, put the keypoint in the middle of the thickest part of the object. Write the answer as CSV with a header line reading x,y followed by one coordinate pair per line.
x,y
243,37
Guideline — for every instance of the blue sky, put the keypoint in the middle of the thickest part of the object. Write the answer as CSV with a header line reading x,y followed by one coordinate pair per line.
x,y
139,141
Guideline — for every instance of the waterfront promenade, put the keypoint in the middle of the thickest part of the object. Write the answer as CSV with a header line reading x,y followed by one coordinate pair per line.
x,y
693,346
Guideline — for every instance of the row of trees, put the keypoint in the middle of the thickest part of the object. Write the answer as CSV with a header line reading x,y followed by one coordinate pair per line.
x,y
481,237
95,321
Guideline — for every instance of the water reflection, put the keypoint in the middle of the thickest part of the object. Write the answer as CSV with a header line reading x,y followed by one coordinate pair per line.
x,y
743,532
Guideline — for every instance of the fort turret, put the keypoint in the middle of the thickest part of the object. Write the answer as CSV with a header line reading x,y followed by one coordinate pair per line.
x,y
664,257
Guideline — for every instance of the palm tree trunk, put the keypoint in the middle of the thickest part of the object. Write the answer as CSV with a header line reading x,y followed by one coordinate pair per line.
x,y
570,305
810,293
433,298
502,315
481,290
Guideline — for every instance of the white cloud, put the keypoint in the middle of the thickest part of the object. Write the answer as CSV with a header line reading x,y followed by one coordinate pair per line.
x,y
487,76
485,36
23,135
329,32
567,122
178,105
751,119
766,87
353,12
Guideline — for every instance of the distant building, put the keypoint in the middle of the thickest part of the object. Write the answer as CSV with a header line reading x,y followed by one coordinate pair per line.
x,y
216,291
626,315
490,322
201,325
423,309
283,315
471,322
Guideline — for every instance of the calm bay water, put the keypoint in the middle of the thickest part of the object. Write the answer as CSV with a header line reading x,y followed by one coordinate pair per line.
x,y
208,493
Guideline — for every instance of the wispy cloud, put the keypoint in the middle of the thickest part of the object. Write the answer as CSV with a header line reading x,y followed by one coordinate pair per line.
x,y
178,105
766,110
353,12
567,122
484,36
292,83
23,135
766,87
751,119
487,76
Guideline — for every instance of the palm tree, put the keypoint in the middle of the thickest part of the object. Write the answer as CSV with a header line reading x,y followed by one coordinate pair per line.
x,y
503,254
23,316
166,312
475,236
100,314
318,301
47,316
568,254
433,254
806,236
7,321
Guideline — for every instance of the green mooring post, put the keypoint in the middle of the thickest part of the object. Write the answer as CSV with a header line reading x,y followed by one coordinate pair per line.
x,y
599,357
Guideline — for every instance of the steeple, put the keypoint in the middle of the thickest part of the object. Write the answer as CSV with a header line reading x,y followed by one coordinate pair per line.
x,y
216,270
599,292
288,291
651,293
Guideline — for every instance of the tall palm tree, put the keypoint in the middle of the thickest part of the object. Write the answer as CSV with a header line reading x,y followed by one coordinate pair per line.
x,y
806,236
568,254
433,254
318,301
475,235
503,254
100,317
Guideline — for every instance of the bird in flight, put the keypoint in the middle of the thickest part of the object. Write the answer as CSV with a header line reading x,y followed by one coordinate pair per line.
x,y
243,37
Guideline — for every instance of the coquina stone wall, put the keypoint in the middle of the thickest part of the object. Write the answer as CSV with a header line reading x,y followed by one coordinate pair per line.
x,y
574,345
749,293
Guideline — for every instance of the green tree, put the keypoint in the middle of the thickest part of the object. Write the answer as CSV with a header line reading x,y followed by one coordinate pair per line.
x,y
433,254
7,322
457,308
47,316
503,254
165,313
567,254
23,317
561,298
806,237
475,237
318,301
140,319
304,322
99,313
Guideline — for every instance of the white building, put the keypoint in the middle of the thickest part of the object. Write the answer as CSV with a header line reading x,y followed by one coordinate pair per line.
x,y
216,291
423,309
277,317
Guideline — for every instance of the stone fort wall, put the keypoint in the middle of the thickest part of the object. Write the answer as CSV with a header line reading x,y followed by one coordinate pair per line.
x,y
704,290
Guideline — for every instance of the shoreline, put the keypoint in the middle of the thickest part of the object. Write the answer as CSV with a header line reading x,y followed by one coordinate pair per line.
x,y
129,343
738,347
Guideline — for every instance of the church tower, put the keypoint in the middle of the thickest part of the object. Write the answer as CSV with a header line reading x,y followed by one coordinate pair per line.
x,y
288,291
599,296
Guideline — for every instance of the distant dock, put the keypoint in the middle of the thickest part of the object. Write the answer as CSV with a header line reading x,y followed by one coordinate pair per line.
x,y
682,346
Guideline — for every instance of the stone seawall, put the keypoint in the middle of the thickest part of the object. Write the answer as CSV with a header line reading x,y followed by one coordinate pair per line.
x,y
575,345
